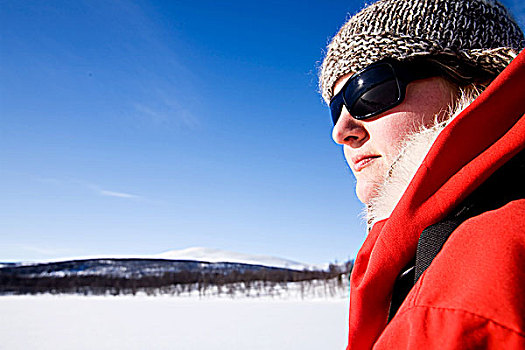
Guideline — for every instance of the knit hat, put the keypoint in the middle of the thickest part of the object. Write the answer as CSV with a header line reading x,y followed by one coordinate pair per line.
x,y
481,33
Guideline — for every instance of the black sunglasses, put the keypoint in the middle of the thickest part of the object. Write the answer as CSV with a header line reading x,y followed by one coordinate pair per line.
x,y
378,88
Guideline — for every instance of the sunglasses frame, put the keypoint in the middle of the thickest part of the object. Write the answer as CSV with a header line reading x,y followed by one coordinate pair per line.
x,y
403,73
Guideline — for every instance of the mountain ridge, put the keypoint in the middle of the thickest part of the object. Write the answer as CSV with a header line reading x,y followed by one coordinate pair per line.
x,y
199,254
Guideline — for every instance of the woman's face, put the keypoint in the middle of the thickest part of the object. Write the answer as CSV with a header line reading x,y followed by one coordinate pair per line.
x,y
372,145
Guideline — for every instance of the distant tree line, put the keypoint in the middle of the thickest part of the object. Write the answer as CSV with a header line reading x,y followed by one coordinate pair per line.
x,y
266,281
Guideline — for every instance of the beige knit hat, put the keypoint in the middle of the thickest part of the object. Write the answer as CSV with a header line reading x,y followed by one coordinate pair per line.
x,y
480,32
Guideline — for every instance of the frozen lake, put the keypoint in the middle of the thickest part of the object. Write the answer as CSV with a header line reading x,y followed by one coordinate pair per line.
x,y
181,323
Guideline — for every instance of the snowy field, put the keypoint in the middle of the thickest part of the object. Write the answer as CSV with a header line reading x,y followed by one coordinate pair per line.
x,y
74,322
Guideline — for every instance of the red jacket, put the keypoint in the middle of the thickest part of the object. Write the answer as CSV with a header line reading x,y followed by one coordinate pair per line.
x,y
473,294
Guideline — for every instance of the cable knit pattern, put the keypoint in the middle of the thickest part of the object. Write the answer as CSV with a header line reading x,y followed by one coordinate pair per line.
x,y
480,32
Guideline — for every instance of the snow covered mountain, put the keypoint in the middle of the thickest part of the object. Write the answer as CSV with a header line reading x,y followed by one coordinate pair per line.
x,y
217,255
175,272
200,254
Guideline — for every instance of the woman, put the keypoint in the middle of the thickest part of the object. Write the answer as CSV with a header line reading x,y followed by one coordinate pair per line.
x,y
402,79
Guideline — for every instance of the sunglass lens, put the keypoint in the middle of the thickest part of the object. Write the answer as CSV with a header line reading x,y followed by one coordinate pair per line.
x,y
368,93
336,107
376,100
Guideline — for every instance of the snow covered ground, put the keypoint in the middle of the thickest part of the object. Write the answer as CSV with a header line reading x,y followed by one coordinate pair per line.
x,y
181,323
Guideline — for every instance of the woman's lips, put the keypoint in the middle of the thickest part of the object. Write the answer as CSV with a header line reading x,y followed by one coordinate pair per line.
x,y
361,162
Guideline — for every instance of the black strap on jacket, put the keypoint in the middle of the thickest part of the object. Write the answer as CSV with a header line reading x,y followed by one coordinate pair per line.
x,y
505,185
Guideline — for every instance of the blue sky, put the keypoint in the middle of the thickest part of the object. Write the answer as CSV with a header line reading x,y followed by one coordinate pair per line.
x,y
136,127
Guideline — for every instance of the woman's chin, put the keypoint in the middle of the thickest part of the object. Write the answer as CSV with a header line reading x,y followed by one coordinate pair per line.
x,y
365,191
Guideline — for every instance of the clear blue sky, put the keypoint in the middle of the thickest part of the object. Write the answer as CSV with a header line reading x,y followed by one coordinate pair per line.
x,y
136,127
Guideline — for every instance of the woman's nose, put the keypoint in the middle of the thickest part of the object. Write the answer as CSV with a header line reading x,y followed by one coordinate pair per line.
x,y
349,131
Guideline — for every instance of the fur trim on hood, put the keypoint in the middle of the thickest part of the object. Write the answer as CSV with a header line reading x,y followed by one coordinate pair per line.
x,y
411,156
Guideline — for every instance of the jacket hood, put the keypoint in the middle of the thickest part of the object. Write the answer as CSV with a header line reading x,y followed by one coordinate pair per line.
x,y
482,138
